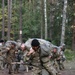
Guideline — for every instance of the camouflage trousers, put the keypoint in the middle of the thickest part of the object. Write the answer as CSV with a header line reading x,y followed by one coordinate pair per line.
x,y
50,69
48,66
60,64
1,64
56,65
13,68
36,71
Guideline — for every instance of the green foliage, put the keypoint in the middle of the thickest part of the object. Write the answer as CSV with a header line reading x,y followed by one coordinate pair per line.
x,y
0,3
70,55
57,23
1,17
31,20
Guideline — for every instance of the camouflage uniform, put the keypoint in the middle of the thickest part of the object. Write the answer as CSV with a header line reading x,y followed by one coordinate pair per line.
x,y
17,59
35,62
22,57
55,58
1,59
46,63
39,55
62,59
10,58
40,62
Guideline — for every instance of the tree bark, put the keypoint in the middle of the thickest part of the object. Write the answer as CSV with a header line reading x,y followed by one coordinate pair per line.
x,y
45,17
20,30
9,17
3,19
51,19
42,23
63,23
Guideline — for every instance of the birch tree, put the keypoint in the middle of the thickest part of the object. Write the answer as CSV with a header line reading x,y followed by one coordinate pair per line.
x,y
45,16
63,22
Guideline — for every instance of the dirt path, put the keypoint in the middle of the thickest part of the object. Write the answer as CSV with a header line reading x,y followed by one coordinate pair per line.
x,y
68,72
69,68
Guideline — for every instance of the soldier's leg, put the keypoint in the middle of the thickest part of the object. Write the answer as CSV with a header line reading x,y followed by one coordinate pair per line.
x,y
57,66
51,70
10,68
16,69
2,65
44,72
61,65
36,71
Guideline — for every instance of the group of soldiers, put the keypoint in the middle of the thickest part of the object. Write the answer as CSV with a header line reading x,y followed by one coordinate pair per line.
x,y
36,54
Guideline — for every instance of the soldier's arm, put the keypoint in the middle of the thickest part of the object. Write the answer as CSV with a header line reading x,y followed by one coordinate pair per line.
x,y
6,50
30,52
58,57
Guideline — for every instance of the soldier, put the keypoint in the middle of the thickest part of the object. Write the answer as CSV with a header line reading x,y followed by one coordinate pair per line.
x,y
24,52
23,56
40,60
63,47
10,56
63,58
55,58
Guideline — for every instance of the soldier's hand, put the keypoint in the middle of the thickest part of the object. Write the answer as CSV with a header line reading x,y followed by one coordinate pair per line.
x,y
8,48
30,52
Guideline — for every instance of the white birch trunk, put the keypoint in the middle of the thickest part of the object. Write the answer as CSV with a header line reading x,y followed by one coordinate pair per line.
x,y
42,24
45,15
63,22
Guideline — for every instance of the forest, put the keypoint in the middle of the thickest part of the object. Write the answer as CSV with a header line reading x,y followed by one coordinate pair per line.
x,y
53,20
